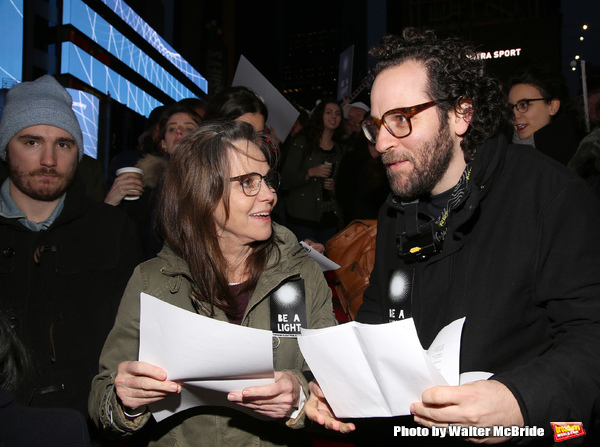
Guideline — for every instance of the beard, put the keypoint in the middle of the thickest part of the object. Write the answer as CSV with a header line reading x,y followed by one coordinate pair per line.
x,y
429,162
45,190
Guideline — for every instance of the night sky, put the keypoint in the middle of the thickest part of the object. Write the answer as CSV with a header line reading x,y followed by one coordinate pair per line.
x,y
575,14
261,27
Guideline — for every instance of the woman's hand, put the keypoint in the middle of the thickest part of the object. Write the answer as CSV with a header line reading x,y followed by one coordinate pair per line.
x,y
328,184
127,184
322,171
275,400
318,410
139,384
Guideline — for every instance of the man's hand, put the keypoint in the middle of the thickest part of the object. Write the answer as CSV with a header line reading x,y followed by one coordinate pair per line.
x,y
484,403
139,383
318,247
275,400
318,410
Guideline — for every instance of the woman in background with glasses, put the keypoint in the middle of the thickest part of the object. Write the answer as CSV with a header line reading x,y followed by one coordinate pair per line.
x,y
544,114
223,258
309,173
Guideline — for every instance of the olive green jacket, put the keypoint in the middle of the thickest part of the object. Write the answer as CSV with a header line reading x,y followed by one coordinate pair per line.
x,y
167,277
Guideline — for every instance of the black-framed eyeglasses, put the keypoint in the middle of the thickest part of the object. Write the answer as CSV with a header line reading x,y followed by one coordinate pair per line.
x,y
252,182
523,104
396,121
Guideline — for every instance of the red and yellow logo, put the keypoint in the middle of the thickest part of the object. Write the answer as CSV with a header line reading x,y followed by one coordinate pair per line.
x,y
567,430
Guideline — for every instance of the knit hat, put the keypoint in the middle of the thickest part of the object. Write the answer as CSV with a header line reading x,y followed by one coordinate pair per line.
x,y
358,105
41,102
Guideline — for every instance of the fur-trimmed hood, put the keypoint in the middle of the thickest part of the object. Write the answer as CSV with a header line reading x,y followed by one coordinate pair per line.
x,y
154,167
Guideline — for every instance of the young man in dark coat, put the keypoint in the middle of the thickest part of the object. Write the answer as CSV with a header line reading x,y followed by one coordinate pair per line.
x,y
477,228
65,259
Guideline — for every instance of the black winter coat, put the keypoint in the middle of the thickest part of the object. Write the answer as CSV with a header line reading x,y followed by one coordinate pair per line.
x,y
21,426
521,261
61,288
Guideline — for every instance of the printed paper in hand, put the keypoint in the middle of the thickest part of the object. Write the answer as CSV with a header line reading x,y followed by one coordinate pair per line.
x,y
210,358
379,370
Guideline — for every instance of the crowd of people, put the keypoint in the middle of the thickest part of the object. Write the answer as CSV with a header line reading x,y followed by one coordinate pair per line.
x,y
481,190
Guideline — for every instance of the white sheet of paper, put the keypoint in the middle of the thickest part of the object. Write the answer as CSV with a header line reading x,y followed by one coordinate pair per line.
x,y
375,370
205,392
209,357
473,376
444,351
324,262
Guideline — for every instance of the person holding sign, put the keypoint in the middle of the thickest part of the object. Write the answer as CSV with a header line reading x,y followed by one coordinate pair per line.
x,y
223,258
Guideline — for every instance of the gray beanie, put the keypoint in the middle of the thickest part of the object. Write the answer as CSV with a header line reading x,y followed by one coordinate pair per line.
x,y
43,101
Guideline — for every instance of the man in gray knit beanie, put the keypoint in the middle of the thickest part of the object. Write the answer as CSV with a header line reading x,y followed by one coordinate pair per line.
x,y
41,141
43,101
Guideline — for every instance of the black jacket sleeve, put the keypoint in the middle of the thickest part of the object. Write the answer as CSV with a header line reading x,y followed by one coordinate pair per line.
x,y
563,384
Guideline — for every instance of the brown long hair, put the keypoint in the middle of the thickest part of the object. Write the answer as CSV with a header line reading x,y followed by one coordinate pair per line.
x,y
315,126
196,180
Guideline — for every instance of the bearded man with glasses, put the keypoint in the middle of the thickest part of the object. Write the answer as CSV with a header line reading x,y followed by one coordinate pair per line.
x,y
481,229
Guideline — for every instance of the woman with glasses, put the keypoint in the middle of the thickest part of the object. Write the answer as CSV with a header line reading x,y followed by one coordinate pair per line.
x,y
544,115
309,174
223,258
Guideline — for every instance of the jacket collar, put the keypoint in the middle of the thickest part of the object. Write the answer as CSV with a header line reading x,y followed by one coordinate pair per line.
x,y
487,163
73,204
76,203
10,210
288,265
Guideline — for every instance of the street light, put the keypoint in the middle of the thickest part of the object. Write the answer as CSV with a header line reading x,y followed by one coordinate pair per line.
x,y
584,89
574,63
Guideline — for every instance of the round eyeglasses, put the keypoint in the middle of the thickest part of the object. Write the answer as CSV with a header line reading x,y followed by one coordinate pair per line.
x,y
396,121
252,182
523,105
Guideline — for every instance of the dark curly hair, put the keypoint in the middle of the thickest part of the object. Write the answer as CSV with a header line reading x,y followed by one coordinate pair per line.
x,y
455,74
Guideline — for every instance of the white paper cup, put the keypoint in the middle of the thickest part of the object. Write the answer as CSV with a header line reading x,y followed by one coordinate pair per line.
x,y
130,169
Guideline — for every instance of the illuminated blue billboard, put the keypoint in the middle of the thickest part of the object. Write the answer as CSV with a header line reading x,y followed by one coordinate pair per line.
x,y
90,23
80,64
143,29
86,108
11,42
